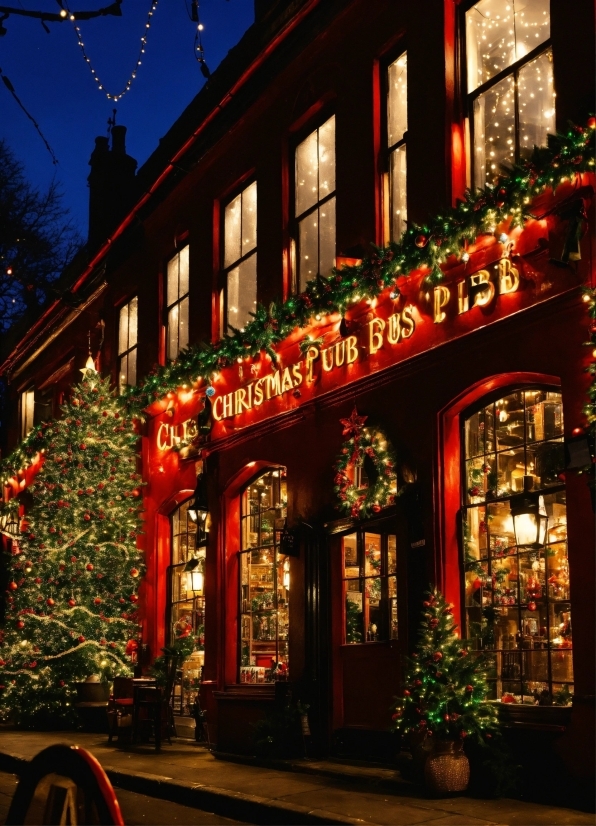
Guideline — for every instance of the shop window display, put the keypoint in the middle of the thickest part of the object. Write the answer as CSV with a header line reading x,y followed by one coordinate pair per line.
x,y
515,546
397,127
264,581
187,602
370,586
510,82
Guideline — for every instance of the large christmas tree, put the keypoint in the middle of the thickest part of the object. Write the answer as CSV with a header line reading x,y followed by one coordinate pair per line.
x,y
75,569
445,686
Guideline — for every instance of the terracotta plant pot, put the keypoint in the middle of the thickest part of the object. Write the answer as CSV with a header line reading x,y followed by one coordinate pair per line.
x,y
447,769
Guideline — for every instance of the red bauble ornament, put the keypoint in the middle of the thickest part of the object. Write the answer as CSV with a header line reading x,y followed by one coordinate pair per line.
x,y
72,603
469,688
97,601
136,492
531,606
437,656
122,600
87,517
81,638
134,598
20,624
13,586
406,693
50,602
89,566
134,571
83,447
421,241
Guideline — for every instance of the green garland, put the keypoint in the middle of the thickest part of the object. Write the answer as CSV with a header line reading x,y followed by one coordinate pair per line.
x,y
423,247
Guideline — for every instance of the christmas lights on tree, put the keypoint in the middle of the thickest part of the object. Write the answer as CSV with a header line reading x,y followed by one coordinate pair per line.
x,y
445,686
75,568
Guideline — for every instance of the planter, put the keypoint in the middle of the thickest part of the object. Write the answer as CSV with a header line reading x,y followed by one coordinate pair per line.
x,y
447,769
93,692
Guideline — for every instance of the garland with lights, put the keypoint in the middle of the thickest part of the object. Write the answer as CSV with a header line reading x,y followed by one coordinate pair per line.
x,y
422,247
133,74
369,450
425,247
75,568
445,686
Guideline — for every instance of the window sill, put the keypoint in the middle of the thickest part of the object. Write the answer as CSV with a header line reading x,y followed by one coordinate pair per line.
x,y
554,719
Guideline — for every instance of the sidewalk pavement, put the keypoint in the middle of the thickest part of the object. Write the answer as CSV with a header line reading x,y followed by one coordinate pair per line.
x,y
308,792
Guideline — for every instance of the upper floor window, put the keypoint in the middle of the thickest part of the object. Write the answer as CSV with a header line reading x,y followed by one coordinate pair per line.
x,y
27,412
370,586
314,203
127,344
177,288
516,567
240,258
264,580
510,82
397,127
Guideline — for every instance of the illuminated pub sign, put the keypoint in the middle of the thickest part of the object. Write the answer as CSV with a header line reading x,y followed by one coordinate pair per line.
x,y
375,335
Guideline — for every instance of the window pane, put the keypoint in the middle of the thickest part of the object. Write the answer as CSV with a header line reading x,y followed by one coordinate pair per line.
x,y
307,173
123,374
372,554
183,283
392,598
397,100
494,131
391,554
495,39
183,326
242,293
536,97
544,415
232,231
249,218
351,562
172,286
173,332
123,329
327,237
398,182
308,242
132,367
354,611
327,158
133,321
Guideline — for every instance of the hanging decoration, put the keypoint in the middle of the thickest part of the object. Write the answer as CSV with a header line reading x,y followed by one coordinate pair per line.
x,y
365,475
126,88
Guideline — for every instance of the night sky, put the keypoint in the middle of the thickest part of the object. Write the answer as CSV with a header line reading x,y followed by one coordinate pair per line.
x,y
54,83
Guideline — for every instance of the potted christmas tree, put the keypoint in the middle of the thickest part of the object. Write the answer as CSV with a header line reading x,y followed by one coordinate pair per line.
x,y
444,698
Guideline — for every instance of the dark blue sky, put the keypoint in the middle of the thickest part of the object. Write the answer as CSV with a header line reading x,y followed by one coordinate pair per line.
x,y
55,84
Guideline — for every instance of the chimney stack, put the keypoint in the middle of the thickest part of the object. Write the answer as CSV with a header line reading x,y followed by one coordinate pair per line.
x,y
111,185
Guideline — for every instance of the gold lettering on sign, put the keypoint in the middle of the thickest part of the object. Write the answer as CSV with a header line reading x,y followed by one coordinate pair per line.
x,y
259,392
375,339
508,277
296,372
486,293
441,296
161,445
351,349
327,359
407,321
286,381
393,328
463,304
312,354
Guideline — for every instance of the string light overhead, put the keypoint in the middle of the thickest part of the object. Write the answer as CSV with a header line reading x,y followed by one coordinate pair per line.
x,y
133,74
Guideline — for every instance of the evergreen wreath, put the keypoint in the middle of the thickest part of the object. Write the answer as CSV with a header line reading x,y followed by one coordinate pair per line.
x,y
369,449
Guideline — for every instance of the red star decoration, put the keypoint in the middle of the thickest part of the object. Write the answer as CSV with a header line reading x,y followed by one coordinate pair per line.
x,y
353,425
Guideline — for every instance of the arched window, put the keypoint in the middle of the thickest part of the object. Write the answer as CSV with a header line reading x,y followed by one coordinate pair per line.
x,y
186,600
517,600
264,580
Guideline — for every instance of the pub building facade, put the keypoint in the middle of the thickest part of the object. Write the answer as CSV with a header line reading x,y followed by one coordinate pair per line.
x,y
330,126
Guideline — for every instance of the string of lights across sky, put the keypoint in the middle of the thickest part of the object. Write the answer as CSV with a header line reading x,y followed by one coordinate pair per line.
x,y
133,74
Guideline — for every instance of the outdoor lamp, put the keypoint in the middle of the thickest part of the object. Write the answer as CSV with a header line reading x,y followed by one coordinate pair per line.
x,y
529,520
194,576
198,509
